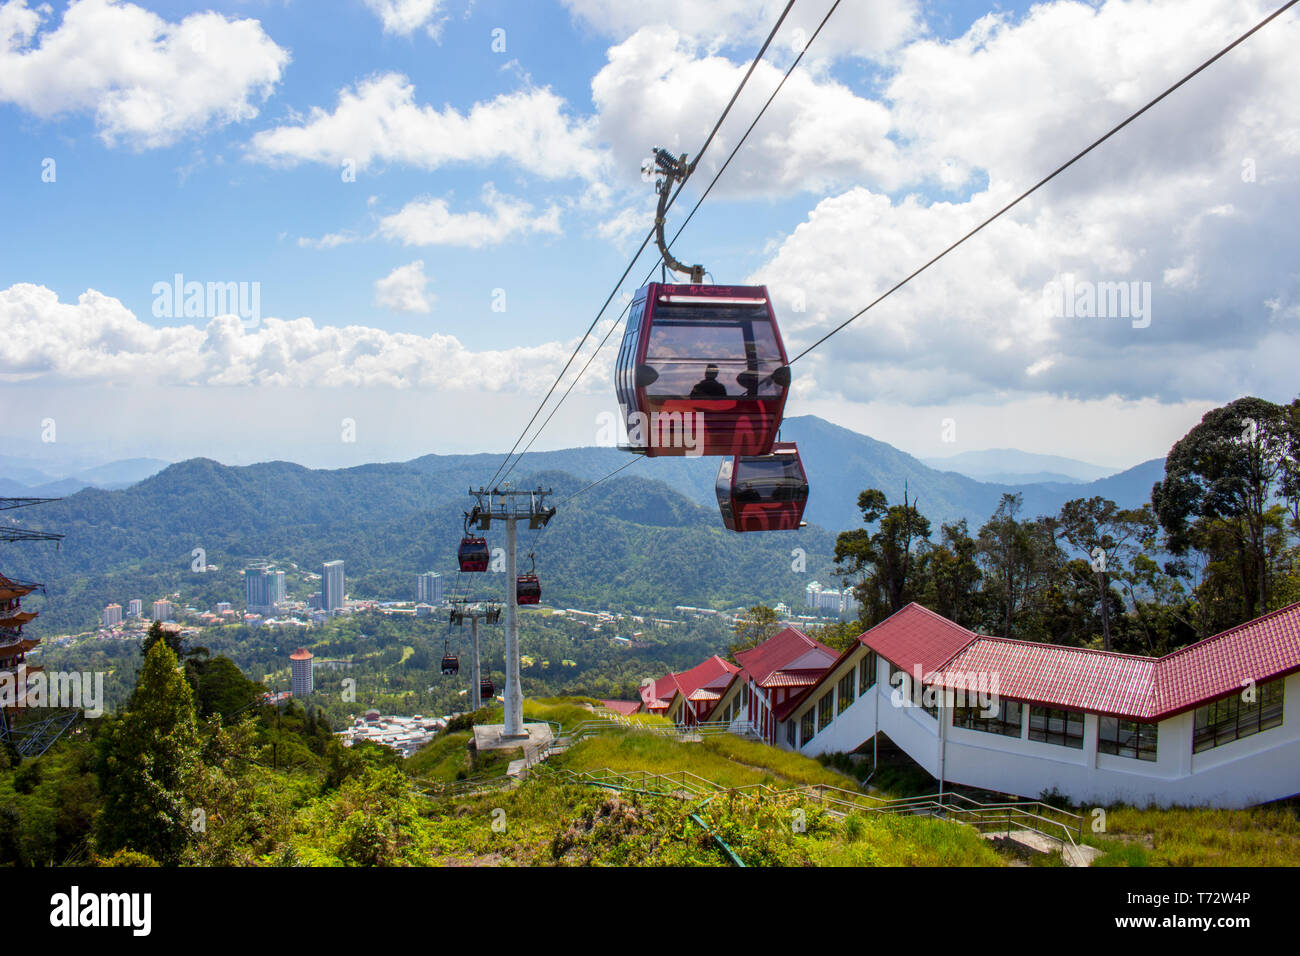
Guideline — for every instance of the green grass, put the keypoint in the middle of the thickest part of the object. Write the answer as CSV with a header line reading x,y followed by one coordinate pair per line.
x,y
725,760
1259,836
546,823
449,757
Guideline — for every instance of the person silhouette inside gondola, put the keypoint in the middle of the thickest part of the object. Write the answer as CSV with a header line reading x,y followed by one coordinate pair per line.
x,y
709,386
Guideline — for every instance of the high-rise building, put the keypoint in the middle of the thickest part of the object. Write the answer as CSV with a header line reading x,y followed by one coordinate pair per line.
x,y
135,608
259,589
162,610
112,615
278,590
428,588
331,587
302,681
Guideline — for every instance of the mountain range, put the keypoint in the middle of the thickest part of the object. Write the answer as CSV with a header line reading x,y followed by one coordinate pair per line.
x,y
648,536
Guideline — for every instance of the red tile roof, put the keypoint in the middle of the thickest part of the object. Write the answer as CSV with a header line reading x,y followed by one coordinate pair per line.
x,y
770,664
1074,678
799,677
712,673
916,635
781,651
1100,682
1258,650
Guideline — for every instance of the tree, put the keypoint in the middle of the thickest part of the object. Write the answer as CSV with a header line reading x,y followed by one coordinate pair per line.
x,y
893,557
954,583
1105,534
170,636
1228,469
149,765
759,623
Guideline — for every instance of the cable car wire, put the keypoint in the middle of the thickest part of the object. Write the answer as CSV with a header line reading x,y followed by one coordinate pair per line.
x,y
1050,176
1042,182
685,222
649,235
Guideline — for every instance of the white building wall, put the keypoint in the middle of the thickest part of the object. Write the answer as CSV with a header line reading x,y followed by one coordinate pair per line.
x,y
1255,769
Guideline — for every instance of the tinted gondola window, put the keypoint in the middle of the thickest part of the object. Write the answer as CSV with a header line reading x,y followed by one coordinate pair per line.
x,y
770,478
685,340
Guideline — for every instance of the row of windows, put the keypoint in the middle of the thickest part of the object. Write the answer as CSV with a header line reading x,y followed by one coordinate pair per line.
x,y
1127,738
1217,723
1005,722
1222,721
847,690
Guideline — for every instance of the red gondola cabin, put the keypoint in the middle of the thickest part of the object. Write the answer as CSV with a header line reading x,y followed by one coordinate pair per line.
x,y
473,554
763,492
528,589
702,371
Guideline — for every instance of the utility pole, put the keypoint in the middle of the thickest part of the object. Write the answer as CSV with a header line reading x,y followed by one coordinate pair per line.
x,y
489,612
511,507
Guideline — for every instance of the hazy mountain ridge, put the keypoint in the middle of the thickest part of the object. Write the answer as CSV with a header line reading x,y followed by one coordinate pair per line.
x,y
648,536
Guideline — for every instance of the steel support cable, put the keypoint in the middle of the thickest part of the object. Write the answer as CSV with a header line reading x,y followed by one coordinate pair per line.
x,y
713,182
685,222
1052,175
649,235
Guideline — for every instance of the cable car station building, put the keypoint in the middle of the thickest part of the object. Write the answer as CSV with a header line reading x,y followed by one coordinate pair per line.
x,y
1216,723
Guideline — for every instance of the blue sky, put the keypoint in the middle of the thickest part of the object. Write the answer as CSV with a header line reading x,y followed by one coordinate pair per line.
x,y
226,162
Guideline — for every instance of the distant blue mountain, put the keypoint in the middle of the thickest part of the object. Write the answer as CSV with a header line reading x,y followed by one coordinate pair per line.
x,y
1011,465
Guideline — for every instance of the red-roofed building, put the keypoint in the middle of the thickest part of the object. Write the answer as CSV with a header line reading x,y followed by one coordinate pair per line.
x,y
771,676
709,677
1206,724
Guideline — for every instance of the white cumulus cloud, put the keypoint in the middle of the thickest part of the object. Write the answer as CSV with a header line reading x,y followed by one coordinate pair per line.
x,y
97,340
431,222
404,17
146,80
405,289
379,121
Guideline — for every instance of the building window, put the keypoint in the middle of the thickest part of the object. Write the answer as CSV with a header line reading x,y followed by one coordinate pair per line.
x,y
1005,722
913,690
1061,727
744,695
867,673
789,733
1126,738
846,693
807,729
824,712
1230,718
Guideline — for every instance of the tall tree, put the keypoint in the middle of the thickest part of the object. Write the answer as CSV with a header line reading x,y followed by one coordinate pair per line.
x,y
149,765
1106,535
759,623
892,557
1228,469
954,580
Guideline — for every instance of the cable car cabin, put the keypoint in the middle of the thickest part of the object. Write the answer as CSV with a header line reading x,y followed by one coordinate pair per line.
x,y
486,688
528,589
702,371
473,554
450,665
763,492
